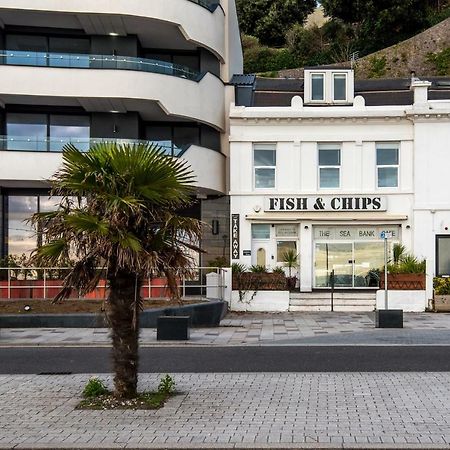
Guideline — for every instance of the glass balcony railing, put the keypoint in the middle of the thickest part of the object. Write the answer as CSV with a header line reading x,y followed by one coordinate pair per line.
x,y
49,144
82,61
208,4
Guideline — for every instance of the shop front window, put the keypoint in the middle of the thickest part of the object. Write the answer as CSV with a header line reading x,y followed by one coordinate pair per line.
x,y
283,247
355,255
260,231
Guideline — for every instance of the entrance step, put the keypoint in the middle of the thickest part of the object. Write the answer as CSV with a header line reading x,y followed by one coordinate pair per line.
x,y
343,301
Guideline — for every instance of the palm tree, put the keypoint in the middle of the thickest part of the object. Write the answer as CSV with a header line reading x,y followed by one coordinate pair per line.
x,y
118,214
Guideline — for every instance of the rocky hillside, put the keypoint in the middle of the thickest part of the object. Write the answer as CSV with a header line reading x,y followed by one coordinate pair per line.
x,y
427,53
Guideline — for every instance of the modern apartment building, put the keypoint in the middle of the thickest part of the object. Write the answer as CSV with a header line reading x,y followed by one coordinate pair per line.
x,y
323,165
84,71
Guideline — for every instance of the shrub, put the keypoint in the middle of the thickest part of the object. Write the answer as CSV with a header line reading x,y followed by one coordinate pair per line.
x,y
258,269
441,61
377,67
441,286
278,270
94,388
166,385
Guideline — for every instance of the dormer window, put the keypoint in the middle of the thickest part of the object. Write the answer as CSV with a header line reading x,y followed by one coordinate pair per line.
x,y
339,87
317,87
329,85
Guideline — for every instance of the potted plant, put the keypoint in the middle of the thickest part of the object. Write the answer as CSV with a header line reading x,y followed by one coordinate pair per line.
x,y
290,260
405,271
441,299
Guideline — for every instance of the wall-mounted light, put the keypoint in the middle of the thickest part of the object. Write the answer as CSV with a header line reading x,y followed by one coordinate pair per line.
x,y
215,227
306,227
113,34
408,227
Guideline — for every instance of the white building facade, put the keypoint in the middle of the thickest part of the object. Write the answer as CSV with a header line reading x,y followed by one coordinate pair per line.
x,y
324,166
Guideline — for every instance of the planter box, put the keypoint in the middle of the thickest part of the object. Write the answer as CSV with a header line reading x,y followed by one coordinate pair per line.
x,y
404,281
408,301
259,281
389,318
172,328
442,303
262,301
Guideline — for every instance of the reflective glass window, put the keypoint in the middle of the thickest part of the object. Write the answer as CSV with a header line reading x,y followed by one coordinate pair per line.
x,y
26,131
264,164
340,86
283,247
329,167
21,236
317,86
443,255
260,231
387,165
69,129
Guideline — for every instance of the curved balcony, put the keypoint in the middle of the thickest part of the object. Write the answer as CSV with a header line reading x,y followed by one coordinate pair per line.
x,y
211,5
29,160
200,23
137,84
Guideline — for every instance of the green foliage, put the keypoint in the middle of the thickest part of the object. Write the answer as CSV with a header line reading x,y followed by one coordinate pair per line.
x,y
290,259
278,270
398,252
166,385
440,61
379,24
220,261
441,286
268,20
377,67
258,269
260,58
408,264
237,268
94,388
127,221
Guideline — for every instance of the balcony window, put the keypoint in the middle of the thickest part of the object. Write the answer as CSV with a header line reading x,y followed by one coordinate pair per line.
x,y
264,166
173,138
387,165
46,132
340,87
26,132
329,167
317,87
65,129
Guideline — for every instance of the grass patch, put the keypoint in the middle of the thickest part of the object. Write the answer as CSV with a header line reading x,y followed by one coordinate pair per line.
x,y
98,397
144,400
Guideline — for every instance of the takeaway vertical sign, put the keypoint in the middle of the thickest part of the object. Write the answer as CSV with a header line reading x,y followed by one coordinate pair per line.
x,y
235,236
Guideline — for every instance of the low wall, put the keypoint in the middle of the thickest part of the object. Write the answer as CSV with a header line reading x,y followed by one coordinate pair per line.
x,y
409,301
263,301
201,314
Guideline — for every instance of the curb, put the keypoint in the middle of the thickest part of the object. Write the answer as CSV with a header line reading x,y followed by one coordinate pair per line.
x,y
274,446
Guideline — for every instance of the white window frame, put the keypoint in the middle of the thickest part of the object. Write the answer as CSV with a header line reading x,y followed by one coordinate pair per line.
x,y
329,147
264,147
388,146
324,85
333,76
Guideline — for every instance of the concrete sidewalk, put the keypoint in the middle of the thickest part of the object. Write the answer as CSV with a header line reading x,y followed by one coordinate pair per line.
x,y
262,410
322,328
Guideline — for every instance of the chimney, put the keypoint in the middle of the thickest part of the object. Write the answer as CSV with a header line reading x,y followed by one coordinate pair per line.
x,y
420,89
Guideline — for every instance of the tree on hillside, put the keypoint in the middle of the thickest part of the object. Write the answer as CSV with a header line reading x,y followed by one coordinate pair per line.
x,y
118,213
380,23
268,20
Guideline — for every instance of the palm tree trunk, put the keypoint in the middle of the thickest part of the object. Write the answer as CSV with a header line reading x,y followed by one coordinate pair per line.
x,y
123,315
